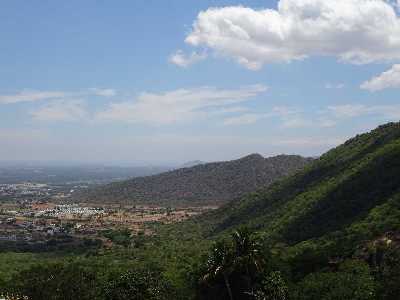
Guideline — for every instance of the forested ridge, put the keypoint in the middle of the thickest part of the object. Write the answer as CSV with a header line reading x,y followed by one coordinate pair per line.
x,y
208,183
330,231
334,192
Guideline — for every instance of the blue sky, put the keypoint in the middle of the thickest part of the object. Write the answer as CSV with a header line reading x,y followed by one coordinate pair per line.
x,y
172,81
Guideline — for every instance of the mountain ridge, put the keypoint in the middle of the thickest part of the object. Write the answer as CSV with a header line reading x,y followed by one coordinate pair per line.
x,y
209,183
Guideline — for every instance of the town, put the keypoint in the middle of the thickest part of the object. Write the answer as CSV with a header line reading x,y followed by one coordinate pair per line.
x,y
25,191
41,225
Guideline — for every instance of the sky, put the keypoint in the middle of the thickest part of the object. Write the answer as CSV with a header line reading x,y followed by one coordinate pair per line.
x,y
155,82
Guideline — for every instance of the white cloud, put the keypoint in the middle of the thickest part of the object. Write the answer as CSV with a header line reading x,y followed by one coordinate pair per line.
x,y
388,112
103,92
289,117
296,122
325,123
347,110
181,59
293,118
178,105
245,119
388,79
232,109
61,110
355,31
30,96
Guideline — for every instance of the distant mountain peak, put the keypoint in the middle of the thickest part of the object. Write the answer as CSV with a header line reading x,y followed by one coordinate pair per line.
x,y
192,163
253,156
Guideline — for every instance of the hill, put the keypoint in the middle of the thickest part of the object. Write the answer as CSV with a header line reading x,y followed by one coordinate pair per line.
x,y
210,183
349,195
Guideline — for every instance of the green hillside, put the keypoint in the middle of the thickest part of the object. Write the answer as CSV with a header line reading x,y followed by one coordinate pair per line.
x,y
352,190
332,229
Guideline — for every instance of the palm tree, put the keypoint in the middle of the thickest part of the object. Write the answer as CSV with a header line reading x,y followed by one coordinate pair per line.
x,y
242,254
220,262
247,253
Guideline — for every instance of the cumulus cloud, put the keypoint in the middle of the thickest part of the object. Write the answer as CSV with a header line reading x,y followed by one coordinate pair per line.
x,y
61,110
181,59
388,79
354,31
178,105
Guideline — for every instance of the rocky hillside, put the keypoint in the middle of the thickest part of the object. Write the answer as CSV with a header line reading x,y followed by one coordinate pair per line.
x,y
209,183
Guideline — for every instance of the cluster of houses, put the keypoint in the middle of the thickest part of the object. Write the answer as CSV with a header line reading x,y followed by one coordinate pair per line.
x,y
13,229
33,224
70,210
25,189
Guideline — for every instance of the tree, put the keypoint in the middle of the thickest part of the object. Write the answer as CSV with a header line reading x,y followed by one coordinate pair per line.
x,y
238,261
220,263
247,254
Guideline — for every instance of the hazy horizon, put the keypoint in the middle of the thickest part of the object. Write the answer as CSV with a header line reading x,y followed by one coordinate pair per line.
x,y
121,164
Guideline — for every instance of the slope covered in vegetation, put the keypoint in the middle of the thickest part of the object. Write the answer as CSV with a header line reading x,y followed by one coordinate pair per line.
x,y
353,187
211,183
